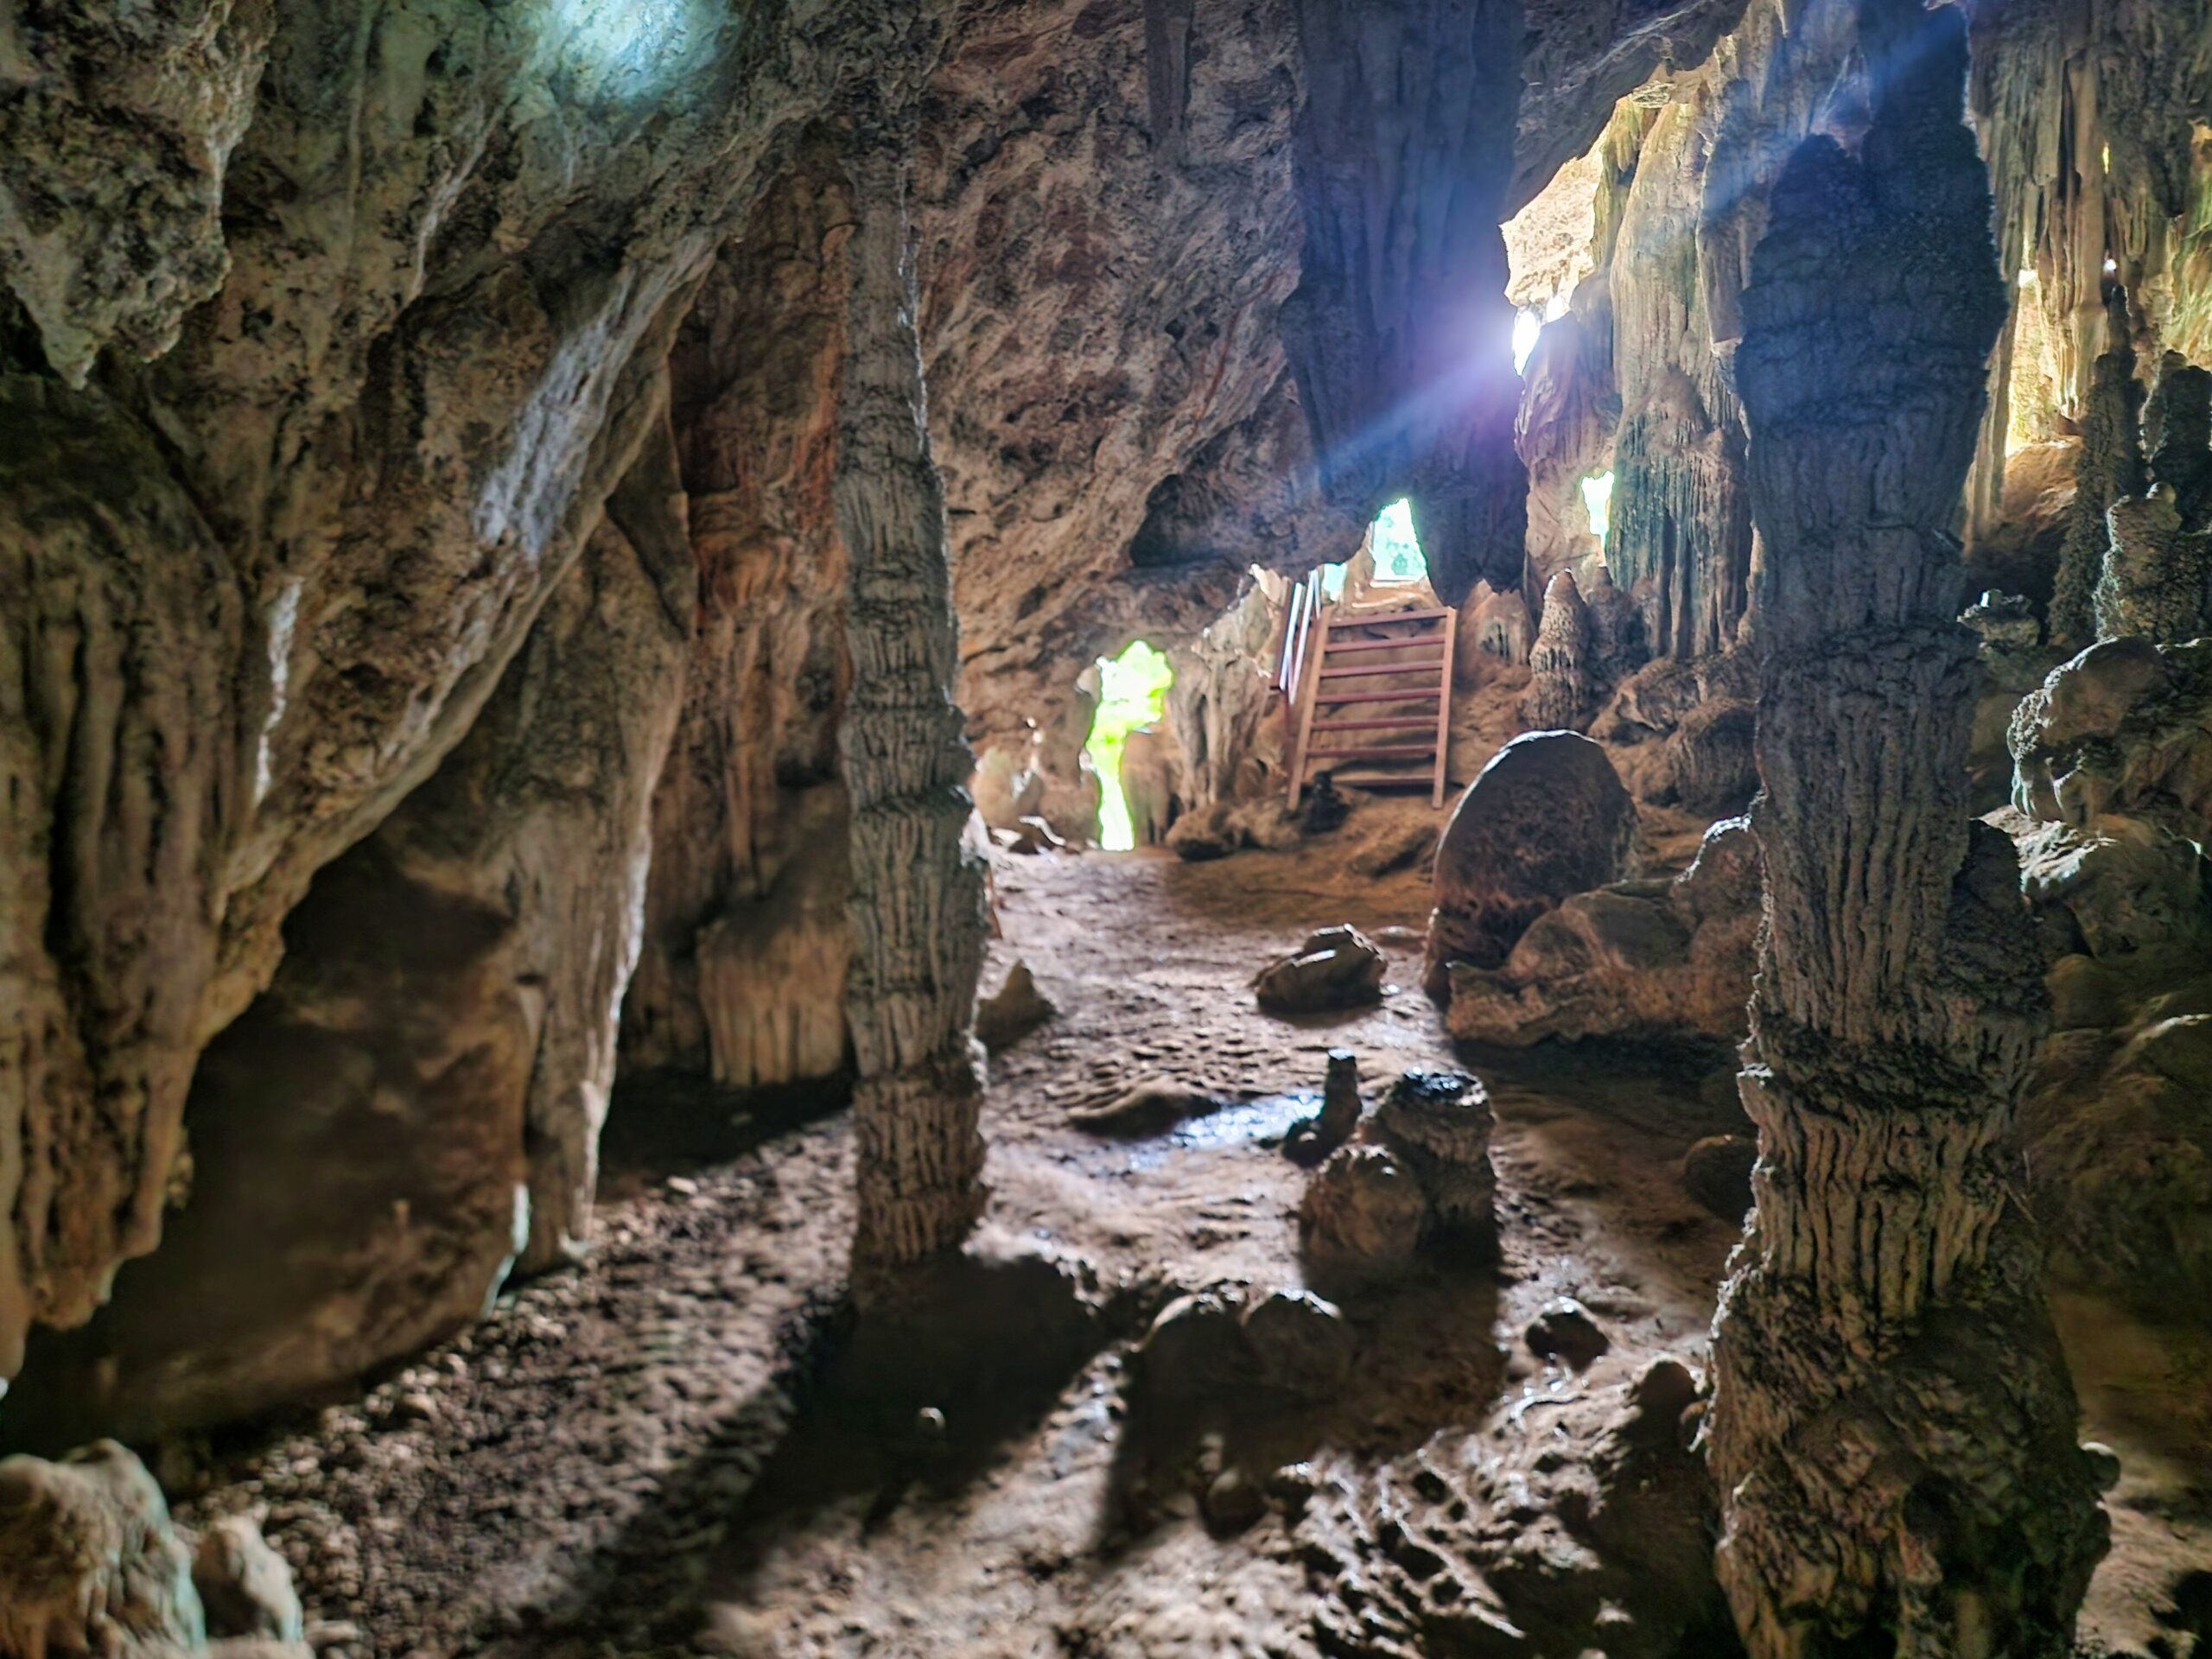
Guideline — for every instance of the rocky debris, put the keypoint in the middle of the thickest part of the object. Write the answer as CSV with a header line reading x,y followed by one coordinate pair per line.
x,y
1566,1330
2006,623
1707,764
1439,1124
1364,1213
1222,1341
1336,968
244,1586
1029,835
2119,729
1326,808
1394,845
2118,884
89,1562
1312,1139
1717,1172
1013,1011
1233,1501
1559,677
1215,831
1547,818
1153,1106
1643,959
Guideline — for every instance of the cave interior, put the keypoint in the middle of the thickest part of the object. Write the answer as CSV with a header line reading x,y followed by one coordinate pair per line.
x,y
1106,829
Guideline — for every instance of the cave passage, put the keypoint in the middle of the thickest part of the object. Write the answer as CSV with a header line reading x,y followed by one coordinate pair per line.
x,y
1131,692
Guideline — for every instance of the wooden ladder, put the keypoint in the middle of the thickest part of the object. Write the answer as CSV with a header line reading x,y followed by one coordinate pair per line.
x,y
1340,641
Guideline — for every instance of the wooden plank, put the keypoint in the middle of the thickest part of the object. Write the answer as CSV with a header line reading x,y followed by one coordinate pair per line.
x,y
1333,698
1399,723
1346,647
1444,709
1379,780
1386,617
1373,752
1376,671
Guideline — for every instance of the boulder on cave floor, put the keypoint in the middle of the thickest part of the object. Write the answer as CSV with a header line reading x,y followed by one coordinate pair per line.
x,y
1648,960
1338,967
1547,818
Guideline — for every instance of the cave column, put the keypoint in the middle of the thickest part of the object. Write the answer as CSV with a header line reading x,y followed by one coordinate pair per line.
x,y
919,921
1892,1427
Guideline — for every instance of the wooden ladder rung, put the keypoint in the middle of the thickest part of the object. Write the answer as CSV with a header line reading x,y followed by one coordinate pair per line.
x,y
1372,751
1376,671
1426,722
1380,779
1345,647
1391,616
1412,695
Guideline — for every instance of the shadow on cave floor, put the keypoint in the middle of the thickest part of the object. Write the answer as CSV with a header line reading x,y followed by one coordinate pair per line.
x,y
663,1124
691,1444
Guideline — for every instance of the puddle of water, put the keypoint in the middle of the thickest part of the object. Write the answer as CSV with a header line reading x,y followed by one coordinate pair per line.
x,y
1241,1124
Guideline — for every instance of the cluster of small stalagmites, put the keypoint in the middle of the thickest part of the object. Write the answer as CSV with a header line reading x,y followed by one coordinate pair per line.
x,y
1558,682
2137,562
1418,1168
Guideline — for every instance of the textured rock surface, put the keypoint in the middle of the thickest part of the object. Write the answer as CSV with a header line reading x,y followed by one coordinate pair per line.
x,y
1646,959
89,1562
1547,819
1336,967
1892,1429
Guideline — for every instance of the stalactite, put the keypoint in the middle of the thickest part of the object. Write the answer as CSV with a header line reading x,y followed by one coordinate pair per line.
x,y
1558,684
1892,1427
918,897
2109,467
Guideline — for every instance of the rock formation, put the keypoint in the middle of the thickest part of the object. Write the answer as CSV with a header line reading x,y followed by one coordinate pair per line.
x,y
1637,960
1892,1429
1547,819
1559,676
918,897
2109,468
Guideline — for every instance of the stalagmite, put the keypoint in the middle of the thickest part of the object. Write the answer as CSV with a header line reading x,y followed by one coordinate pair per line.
x,y
1892,1429
918,898
1558,684
2110,466
2177,433
2153,584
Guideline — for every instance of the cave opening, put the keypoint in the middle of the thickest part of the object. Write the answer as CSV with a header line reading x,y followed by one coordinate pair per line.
x,y
1132,689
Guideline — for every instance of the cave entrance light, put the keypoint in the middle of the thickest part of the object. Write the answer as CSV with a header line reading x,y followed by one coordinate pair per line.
x,y
1131,692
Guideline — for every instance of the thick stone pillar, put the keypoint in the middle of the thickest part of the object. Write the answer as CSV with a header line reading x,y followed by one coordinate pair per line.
x,y
919,926
1892,1429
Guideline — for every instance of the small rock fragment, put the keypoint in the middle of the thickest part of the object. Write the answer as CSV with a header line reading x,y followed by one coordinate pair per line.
x,y
1363,1212
1233,1501
1564,1330
1336,967
1153,1106
244,1586
1015,1010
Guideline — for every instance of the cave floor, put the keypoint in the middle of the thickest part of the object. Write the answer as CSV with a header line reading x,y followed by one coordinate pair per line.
x,y
651,1453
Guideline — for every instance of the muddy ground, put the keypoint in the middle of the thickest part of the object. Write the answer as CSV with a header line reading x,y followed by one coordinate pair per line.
x,y
691,1445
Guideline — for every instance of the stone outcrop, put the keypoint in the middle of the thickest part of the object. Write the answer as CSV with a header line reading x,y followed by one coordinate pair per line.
x,y
1559,672
1336,967
2119,729
1666,960
2156,580
411,1108
1547,819
1892,1429
741,977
